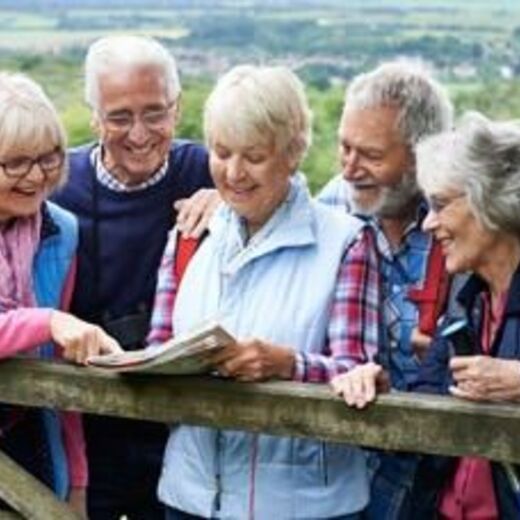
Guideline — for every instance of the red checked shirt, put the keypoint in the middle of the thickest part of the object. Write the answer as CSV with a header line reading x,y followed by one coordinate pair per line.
x,y
352,336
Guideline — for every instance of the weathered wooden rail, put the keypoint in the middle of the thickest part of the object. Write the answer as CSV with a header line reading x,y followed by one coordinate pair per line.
x,y
429,424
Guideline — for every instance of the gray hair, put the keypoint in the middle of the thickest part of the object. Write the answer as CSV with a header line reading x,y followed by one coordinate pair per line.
x,y
108,54
481,158
423,104
260,103
28,119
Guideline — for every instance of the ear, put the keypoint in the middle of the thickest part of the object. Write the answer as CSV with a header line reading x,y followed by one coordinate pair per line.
x,y
95,124
177,109
293,163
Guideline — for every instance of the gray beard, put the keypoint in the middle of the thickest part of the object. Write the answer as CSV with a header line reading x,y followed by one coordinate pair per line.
x,y
395,201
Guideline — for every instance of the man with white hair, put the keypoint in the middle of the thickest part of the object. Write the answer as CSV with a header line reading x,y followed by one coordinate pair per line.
x,y
386,112
123,190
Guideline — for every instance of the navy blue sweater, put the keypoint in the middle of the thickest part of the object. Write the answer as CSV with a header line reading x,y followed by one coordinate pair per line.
x,y
133,229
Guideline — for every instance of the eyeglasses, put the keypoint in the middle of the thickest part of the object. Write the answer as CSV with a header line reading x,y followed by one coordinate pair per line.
x,y
19,167
124,120
438,204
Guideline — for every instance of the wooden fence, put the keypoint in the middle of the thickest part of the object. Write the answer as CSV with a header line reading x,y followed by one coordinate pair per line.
x,y
397,421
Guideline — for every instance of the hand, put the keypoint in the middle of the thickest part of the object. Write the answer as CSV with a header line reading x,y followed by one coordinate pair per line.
x,y
193,214
420,343
255,360
79,339
77,501
360,385
483,378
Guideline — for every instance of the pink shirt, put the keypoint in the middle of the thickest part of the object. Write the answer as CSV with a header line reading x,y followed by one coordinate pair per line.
x,y
22,330
470,494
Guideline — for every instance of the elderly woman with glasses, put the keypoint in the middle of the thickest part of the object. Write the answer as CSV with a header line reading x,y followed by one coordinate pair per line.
x,y
296,284
471,176
37,250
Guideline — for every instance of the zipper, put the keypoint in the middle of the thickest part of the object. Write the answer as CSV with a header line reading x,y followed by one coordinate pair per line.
x,y
324,463
252,478
218,479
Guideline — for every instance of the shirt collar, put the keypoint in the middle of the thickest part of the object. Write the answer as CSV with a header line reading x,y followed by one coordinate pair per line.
x,y
107,179
476,285
413,227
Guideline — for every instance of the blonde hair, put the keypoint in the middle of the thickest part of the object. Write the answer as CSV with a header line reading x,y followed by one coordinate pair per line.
x,y
108,54
260,104
28,119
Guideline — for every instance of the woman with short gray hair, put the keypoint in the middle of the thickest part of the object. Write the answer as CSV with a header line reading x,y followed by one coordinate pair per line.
x,y
471,178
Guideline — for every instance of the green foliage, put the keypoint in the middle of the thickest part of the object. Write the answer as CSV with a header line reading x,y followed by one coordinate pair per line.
x,y
61,78
192,105
499,100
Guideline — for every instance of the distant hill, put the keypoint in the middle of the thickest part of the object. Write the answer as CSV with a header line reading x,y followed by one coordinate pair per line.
x,y
273,4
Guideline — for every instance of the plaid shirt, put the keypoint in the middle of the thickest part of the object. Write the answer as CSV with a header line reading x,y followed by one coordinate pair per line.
x,y
401,270
108,180
352,336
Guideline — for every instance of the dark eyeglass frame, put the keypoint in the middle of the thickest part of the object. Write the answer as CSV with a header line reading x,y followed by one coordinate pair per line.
x,y
151,119
8,167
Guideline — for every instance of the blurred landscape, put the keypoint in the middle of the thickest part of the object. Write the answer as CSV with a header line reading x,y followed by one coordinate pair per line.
x,y
473,46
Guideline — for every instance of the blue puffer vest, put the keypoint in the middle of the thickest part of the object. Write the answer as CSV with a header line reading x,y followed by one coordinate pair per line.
x,y
50,268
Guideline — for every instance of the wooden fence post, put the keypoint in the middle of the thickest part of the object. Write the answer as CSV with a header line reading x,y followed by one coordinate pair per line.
x,y
28,496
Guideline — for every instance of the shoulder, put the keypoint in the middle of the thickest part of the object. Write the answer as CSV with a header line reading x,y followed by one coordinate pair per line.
x,y
329,216
66,222
182,151
189,164
334,193
79,157
60,215
75,193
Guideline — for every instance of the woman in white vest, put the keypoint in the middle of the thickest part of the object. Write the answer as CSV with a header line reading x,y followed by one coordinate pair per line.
x,y
295,278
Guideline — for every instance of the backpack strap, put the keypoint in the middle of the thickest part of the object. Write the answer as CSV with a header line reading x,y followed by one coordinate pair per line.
x,y
431,298
186,248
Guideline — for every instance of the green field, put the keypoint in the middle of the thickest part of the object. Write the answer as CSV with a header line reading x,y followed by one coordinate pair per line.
x,y
326,43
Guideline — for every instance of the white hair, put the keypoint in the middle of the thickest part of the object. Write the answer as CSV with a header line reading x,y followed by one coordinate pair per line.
x,y
258,103
482,159
423,105
28,120
108,54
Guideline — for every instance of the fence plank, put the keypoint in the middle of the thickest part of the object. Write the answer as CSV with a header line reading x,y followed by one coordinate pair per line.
x,y
430,424
28,496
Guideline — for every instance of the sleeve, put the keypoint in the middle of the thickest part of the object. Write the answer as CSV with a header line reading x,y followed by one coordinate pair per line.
x,y
333,193
72,422
434,374
353,330
23,329
161,328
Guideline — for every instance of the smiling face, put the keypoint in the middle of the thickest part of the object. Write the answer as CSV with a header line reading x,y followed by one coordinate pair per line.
x,y
138,94
466,243
251,178
376,163
22,195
